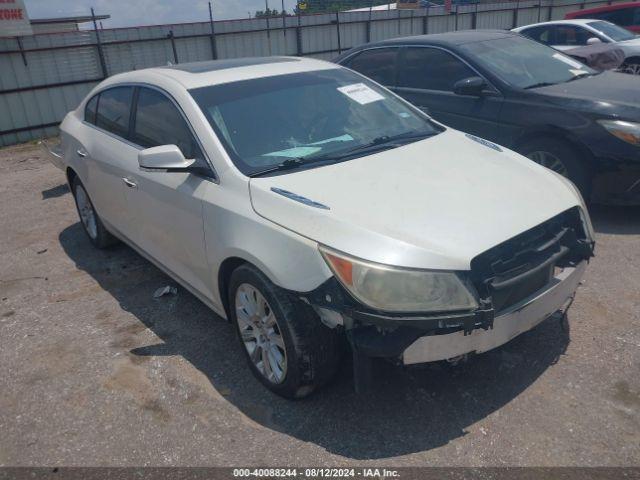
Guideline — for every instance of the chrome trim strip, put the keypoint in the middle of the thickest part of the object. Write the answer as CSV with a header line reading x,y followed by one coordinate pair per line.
x,y
299,198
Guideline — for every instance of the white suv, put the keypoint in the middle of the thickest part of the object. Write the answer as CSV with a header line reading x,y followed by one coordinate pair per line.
x,y
305,204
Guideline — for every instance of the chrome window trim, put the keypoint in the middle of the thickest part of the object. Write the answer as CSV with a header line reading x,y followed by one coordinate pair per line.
x,y
410,45
215,179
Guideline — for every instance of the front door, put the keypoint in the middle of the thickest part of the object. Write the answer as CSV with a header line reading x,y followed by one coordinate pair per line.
x,y
167,206
426,77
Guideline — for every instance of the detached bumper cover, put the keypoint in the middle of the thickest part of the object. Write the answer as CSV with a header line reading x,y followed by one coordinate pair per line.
x,y
517,319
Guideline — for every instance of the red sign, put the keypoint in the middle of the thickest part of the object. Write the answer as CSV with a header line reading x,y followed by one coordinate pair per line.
x,y
14,20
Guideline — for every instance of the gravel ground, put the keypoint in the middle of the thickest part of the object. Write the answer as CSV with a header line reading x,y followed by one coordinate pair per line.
x,y
94,371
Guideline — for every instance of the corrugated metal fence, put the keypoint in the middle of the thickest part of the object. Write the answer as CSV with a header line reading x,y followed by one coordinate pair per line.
x,y
42,77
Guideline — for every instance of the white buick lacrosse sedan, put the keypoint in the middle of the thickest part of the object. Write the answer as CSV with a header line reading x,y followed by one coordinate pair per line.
x,y
306,204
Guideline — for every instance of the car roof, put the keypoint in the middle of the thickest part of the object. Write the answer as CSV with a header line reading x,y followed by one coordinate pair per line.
x,y
577,21
446,39
605,8
214,72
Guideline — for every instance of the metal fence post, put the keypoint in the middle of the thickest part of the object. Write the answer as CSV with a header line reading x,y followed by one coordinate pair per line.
x,y
214,47
455,28
369,23
338,30
539,11
299,35
425,22
21,48
514,20
173,46
550,11
267,11
474,17
103,64
284,26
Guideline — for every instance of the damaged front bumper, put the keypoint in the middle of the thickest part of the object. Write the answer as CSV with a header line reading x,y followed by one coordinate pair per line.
x,y
517,319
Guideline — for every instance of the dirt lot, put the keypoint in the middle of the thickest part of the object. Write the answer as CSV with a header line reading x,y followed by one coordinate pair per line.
x,y
95,371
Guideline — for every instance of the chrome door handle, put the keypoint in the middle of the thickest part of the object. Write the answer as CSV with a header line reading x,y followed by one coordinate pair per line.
x,y
130,183
81,153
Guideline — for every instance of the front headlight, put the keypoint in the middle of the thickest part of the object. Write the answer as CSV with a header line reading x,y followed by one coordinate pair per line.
x,y
626,131
394,289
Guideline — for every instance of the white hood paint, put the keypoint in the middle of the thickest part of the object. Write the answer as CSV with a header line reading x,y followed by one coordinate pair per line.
x,y
432,204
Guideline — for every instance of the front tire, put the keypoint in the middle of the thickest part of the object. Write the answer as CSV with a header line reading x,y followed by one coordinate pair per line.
x,y
287,347
89,219
562,158
632,67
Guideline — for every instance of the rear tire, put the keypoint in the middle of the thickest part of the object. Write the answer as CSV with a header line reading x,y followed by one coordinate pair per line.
x,y
562,158
287,347
89,219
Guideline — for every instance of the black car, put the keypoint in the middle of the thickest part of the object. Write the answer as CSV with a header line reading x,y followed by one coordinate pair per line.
x,y
519,93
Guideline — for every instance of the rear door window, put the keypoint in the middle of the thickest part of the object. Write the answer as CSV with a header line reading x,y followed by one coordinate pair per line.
x,y
539,34
114,109
379,64
431,69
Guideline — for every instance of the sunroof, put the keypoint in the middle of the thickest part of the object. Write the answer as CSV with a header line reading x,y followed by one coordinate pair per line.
x,y
215,65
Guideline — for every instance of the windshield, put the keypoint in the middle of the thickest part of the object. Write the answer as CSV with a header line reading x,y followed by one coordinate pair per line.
x,y
614,32
524,63
268,122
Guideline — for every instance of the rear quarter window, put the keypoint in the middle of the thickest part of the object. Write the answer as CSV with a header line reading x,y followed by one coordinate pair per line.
x,y
379,64
90,110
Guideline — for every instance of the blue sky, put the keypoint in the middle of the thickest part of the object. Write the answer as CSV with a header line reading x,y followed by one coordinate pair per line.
x,y
147,12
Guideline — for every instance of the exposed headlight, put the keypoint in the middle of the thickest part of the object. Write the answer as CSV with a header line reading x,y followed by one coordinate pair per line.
x,y
626,131
394,289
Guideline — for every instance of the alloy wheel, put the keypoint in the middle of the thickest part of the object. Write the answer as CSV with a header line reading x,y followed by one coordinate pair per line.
x,y
87,214
260,333
550,161
632,68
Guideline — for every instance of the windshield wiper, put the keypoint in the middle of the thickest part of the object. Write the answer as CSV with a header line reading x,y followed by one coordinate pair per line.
x,y
384,142
538,85
582,75
380,143
288,164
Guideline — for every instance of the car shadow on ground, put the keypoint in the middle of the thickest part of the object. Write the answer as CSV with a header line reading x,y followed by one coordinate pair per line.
x,y
409,410
615,220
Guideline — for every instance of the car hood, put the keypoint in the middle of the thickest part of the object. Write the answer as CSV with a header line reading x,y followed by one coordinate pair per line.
x,y
630,44
610,93
434,204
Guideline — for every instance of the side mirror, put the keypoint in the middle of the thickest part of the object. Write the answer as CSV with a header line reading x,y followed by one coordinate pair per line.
x,y
593,41
165,157
470,86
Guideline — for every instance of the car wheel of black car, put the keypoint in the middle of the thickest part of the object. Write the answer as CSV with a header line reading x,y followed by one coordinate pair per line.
x,y
632,67
91,223
562,158
289,349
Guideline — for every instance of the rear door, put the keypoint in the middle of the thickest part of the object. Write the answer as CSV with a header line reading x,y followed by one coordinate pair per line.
x,y
166,206
109,155
426,77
